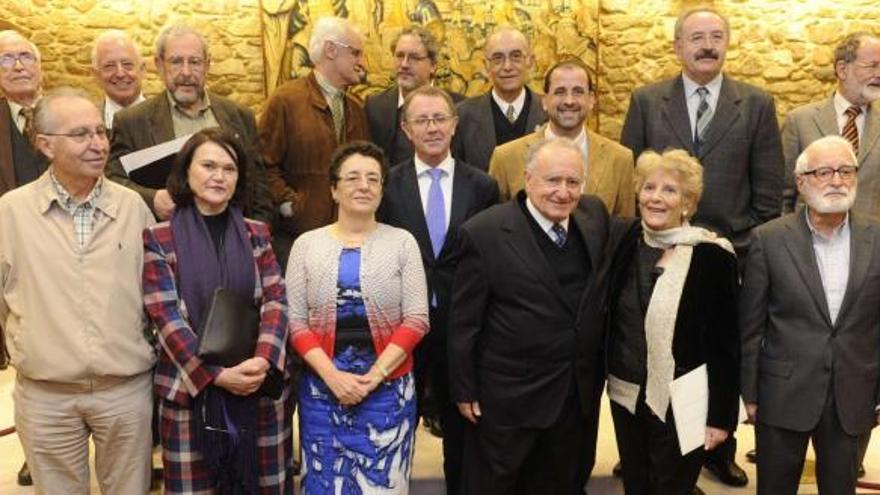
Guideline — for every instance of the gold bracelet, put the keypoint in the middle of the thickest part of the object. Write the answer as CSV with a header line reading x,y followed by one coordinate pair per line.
x,y
382,371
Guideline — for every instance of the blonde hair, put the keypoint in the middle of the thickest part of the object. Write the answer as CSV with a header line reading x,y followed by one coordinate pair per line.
x,y
678,162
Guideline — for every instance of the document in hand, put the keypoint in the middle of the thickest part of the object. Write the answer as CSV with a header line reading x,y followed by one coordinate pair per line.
x,y
689,395
150,167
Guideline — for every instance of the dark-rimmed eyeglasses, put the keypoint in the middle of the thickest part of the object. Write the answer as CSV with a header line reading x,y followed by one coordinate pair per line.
x,y
824,174
424,122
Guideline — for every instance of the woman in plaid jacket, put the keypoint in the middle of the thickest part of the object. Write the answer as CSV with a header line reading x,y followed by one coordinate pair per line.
x,y
218,433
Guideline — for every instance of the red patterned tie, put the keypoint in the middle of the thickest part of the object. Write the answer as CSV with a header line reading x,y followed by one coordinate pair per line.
x,y
850,131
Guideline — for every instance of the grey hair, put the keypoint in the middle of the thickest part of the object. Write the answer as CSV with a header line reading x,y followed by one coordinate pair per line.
x,y
175,30
679,22
560,143
111,35
326,29
43,114
803,160
846,51
13,35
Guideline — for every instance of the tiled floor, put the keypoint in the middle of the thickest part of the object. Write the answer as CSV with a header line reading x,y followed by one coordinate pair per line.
x,y
427,469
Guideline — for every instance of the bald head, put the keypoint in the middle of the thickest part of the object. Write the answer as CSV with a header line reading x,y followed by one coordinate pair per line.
x,y
508,58
117,66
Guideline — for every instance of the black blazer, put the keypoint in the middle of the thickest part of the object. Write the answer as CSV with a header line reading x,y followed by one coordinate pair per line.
x,y
472,192
706,329
742,156
515,344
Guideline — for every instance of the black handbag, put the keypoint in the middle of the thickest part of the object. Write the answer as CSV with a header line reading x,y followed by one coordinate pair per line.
x,y
228,336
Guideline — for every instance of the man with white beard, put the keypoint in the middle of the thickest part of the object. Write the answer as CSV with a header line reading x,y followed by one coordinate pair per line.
x,y
810,327
852,111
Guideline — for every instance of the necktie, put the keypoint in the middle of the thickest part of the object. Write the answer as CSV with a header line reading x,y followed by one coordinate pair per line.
x,y
435,213
704,116
850,131
511,114
28,129
338,113
560,233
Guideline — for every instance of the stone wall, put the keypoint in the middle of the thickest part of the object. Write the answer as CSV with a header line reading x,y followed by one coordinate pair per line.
x,y
64,31
783,46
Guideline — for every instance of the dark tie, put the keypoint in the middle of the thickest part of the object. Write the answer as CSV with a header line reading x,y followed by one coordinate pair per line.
x,y
435,213
850,130
704,116
560,233
28,129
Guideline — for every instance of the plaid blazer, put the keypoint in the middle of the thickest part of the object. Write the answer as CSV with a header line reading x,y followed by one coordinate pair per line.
x,y
180,375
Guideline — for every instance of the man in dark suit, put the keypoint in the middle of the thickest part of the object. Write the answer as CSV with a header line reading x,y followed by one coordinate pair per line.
x,y
408,202
415,53
20,161
731,128
20,75
810,328
525,335
119,70
185,107
852,111
509,111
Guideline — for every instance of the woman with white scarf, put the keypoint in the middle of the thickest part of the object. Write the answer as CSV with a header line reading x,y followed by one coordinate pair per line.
x,y
672,310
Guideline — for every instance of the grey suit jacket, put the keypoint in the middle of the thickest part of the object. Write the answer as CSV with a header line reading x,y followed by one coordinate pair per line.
x,y
742,156
474,139
791,351
149,123
810,122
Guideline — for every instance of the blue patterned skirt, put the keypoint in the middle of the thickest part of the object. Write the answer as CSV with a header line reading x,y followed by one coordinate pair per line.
x,y
365,449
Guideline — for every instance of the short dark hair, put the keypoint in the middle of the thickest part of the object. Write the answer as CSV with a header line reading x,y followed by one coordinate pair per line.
x,y
568,63
429,91
178,180
351,148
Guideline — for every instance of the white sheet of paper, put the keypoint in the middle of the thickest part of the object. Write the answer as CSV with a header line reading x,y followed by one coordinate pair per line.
x,y
146,156
624,393
689,395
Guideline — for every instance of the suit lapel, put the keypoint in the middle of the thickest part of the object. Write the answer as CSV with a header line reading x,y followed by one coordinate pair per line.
x,y
224,119
799,243
536,115
868,141
485,122
162,126
676,114
596,166
523,243
461,198
7,171
862,242
415,214
825,119
726,113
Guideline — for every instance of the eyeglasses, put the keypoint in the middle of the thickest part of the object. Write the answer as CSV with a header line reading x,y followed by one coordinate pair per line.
x,y
424,122
177,63
824,174
112,67
8,60
412,57
515,57
81,135
355,52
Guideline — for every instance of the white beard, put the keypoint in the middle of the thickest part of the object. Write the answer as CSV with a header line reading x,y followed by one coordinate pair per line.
x,y
821,204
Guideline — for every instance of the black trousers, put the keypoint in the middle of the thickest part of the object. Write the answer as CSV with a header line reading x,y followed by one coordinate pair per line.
x,y
782,452
501,460
650,455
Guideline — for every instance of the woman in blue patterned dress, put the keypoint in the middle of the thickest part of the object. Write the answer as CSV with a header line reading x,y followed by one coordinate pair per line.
x,y
358,307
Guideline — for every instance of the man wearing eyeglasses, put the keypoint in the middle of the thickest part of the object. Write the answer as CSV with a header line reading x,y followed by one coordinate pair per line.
x,y
305,121
71,304
414,53
810,327
119,69
852,111
568,100
20,76
510,110
431,195
185,107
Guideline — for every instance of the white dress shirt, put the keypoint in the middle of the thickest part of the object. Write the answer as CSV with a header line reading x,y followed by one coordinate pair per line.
x,y
111,107
448,168
545,223
15,113
832,258
693,98
518,103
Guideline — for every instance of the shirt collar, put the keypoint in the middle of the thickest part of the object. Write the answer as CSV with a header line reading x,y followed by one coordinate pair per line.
x,y
206,104
714,86
545,223
328,89
580,140
841,104
838,231
68,202
111,107
518,103
447,165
